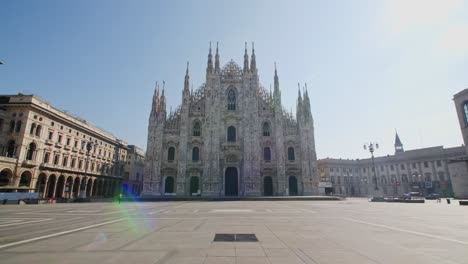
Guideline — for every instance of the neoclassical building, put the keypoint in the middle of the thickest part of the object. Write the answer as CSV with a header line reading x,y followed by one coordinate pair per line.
x,y
45,150
424,170
230,137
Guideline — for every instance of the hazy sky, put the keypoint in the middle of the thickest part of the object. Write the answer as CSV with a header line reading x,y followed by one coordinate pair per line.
x,y
371,66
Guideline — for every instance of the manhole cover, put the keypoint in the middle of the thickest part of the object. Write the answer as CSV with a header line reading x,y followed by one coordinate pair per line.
x,y
235,238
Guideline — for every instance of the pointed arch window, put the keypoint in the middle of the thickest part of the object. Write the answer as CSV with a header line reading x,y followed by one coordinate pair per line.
x,y
12,126
231,134
171,154
31,150
196,129
291,155
38,131
195,154
267,154
465,112
11,149
18,126
266,129
231,100
33,128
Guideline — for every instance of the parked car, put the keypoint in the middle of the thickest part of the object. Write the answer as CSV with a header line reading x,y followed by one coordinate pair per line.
x,y
432,196
411,194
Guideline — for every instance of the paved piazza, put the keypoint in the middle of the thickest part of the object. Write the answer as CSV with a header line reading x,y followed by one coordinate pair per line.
x,y
350,231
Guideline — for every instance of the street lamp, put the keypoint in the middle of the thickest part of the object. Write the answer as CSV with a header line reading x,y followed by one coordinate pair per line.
x,y
372,147
89,145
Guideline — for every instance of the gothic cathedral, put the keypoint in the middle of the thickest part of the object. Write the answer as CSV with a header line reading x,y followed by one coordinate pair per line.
x,y
230,137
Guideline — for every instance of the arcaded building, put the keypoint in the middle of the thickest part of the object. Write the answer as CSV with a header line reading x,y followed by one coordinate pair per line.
x,y
46,150
230,137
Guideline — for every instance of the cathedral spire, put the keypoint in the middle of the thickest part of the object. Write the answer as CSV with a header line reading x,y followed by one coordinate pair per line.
x,y
162,105
299,100
187,79
306,101
253,62
398,145
217,68
155,106
246,59
209,68
277,92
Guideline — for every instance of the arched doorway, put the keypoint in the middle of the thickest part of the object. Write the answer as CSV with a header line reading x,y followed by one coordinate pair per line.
x,y
76,187
89,189
5,176
267,186
293,186
51,186
41,184
25,180
169,185
60,187
68,187
194,185
231,183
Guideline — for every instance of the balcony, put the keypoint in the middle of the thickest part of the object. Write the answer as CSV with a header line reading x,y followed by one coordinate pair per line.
x,y
30,163
58,145
49,142
231,146
67,147
75,149
82,151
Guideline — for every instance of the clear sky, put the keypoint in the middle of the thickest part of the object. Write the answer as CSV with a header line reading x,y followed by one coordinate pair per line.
x,y
371,66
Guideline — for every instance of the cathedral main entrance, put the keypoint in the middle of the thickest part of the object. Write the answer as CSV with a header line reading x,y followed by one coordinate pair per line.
x,y
293,186
231,184
267,186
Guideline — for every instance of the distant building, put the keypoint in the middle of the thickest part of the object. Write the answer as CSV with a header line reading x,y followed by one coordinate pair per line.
x,y
46,150
424,170
459,166
134,168
230,137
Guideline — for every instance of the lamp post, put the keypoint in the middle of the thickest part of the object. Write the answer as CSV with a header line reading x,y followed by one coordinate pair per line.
x,y
89,145
372,147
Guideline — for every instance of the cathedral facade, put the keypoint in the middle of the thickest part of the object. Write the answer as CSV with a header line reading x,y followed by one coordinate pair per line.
x,y
230,137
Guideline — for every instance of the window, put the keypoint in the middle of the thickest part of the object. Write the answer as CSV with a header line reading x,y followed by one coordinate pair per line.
x,y
76,143
59,140
38,131
46,157
65,161
439,163
266,154
231,134
196,129
291,155
266,129
12,126
73,161
18,126
33,127
68,141
195,154
80,164
414,165
1,125
11,149
364,169
56,159
231,100
51,135
465,111
402,166
426,164
31,150
171,154
381,167
391,167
